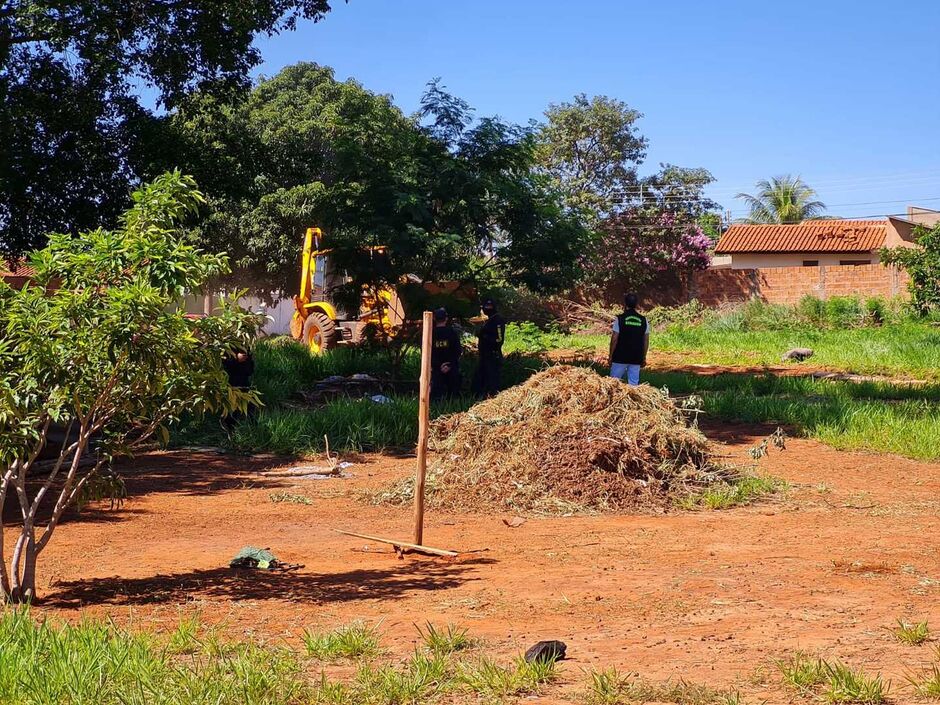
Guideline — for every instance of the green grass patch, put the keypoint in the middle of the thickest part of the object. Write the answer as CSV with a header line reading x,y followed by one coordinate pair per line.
x,y
908,349
834,681
445,640
421,678
93,663
610,687
927,684
745,489
912,634
489,679
849,685
354,641
802,672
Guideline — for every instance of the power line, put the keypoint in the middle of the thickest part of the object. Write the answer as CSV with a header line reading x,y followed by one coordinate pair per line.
x,y
838,185
911,201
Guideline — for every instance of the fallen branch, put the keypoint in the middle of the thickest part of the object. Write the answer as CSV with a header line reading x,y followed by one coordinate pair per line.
x,y
402,544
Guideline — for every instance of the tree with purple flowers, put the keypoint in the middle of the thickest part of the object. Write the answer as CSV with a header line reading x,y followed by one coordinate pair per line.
x,y
645,226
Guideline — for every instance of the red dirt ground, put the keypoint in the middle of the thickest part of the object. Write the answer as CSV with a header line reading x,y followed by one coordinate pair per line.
x,y
710,597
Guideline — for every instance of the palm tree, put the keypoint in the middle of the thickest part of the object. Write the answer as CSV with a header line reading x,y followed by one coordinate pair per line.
x,y
783,199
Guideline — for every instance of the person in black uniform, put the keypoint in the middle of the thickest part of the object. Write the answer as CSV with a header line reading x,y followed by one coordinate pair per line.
x,y
629,342
490,336
445,358
239,366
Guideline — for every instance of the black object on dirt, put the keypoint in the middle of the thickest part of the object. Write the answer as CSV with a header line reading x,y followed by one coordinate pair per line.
x,y
547,651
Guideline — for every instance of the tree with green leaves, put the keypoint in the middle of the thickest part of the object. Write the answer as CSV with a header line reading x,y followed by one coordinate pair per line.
x,y
69,118
922,264
97,353
450,196
592,147
783,200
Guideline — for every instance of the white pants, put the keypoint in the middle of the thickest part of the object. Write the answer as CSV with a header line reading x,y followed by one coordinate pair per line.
x,y
632,372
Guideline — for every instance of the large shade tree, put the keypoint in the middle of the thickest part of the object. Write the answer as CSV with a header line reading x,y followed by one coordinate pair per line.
x,y
782,200
68,114
451,196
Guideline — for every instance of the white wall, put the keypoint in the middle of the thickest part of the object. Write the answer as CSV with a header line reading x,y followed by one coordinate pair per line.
x,y
279,313
758,261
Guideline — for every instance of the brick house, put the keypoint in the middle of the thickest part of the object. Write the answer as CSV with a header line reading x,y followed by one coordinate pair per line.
x,y
815,243
16,274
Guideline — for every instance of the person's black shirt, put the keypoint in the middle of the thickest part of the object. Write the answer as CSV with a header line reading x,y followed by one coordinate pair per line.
x,y
239,371
445,346
491,335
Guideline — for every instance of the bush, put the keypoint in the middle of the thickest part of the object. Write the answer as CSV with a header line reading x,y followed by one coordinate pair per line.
x,y
844,312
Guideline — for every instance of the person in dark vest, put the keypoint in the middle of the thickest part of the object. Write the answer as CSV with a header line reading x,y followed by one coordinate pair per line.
x,y
629,342
490,339
239,367
445,358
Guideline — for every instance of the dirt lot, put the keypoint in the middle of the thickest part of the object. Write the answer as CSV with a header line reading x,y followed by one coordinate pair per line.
x,y
710,597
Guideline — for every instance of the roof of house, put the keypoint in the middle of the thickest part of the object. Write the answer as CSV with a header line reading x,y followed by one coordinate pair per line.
x,y
808,236
15,269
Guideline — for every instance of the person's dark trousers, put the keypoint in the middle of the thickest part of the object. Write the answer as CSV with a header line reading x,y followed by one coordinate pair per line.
x,y
445,385
231,420
486,381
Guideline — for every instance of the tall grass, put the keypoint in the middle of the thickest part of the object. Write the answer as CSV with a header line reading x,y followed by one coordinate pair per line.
x,y
350,425
878,416
909,349
97,664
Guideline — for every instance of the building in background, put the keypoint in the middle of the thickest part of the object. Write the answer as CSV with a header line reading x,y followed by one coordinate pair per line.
x,y
815,243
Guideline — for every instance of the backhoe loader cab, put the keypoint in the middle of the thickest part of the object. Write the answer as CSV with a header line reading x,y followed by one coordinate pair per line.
x,y
318,321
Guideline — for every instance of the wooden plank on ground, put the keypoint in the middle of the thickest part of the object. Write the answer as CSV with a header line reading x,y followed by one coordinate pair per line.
x,y
401,544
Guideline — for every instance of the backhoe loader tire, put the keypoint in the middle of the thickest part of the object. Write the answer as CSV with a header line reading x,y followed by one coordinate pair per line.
x,y
320,332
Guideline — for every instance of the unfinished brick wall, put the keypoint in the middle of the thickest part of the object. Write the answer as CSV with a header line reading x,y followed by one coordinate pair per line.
x,y
787,285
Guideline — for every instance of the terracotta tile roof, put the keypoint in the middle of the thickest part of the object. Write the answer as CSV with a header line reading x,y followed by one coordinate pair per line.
x,y
15,269
809,236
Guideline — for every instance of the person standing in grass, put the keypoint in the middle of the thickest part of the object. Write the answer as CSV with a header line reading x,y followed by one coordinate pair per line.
x,y
445,358
629,342
490,336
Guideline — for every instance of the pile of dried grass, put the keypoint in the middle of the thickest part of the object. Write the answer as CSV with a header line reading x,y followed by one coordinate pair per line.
x,y
569,440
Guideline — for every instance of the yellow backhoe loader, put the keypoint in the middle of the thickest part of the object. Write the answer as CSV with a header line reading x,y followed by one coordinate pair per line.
x,y
317,321
321,324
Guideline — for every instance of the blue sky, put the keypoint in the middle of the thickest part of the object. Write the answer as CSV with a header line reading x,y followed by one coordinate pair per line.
x,y
845,94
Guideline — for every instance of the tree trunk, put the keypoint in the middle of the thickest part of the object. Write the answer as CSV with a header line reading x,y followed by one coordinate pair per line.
x,y
23,568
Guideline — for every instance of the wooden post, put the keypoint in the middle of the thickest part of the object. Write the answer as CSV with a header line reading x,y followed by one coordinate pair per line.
x,y
424,403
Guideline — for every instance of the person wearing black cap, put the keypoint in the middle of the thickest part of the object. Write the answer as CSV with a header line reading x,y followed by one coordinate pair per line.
x,y
490,336
445,358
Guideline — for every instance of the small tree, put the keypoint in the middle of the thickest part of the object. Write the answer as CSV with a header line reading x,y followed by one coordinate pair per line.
x,y
923,265
639,245
98,348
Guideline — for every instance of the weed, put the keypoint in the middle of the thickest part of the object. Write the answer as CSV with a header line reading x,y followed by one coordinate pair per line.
x,y
445,641
802,672
746,489
185,638
327,692
421,677
838,683
927,685
847,685
290,498
911,634
354,641
607,687
487,678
